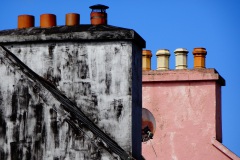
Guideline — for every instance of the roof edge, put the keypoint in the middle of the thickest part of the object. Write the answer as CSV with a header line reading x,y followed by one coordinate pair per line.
x,y
224,149
182,75
71,33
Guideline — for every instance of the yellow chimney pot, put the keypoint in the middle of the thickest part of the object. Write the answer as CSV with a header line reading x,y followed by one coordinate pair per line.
x,y
146,60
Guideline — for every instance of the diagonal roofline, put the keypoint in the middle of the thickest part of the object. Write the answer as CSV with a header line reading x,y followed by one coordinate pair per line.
x,y
68,105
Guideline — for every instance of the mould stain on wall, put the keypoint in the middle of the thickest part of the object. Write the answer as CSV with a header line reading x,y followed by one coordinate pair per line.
x,y
34,125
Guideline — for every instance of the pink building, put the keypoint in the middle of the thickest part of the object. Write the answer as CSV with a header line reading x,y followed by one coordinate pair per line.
x,y
186,105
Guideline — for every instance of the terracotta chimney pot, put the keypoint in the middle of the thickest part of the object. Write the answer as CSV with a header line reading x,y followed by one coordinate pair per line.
x,y
25,21
163,59
181,58
98,14
146,60
47,20
72,19
199,57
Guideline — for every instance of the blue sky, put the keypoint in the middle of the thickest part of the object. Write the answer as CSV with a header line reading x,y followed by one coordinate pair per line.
x,y
169,24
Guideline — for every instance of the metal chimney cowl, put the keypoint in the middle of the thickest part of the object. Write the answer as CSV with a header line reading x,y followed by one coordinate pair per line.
x,y
98,15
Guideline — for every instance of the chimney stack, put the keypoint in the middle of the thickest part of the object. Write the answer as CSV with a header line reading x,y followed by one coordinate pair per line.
x,y
181,58
199,57
98,14
25,21
47,20
72,19
146,60
163,59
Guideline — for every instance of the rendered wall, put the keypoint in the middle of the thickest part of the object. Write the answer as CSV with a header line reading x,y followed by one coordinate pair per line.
x,y
186,105
102,78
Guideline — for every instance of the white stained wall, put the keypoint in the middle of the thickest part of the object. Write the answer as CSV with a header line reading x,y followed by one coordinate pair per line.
x,y
96,76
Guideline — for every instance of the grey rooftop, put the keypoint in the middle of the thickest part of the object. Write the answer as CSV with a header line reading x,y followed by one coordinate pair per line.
x,y
71,33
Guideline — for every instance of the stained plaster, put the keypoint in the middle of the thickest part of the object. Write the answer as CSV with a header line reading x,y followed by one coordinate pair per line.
x,y
96,76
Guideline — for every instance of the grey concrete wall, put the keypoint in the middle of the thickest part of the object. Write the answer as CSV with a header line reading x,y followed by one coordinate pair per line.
x,y
102,78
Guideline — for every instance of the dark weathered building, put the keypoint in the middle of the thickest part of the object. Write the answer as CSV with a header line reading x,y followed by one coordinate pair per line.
x,y
70,92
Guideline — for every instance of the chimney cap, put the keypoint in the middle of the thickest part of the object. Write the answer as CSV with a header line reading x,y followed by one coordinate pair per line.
x,y
163,52
99,6
199,50
146,52
181,50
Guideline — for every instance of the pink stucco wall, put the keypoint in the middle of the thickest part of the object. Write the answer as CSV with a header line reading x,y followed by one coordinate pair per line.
x,y
186,105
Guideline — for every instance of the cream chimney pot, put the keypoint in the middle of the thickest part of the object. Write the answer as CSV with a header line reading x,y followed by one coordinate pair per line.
x,y
163,59
181,58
